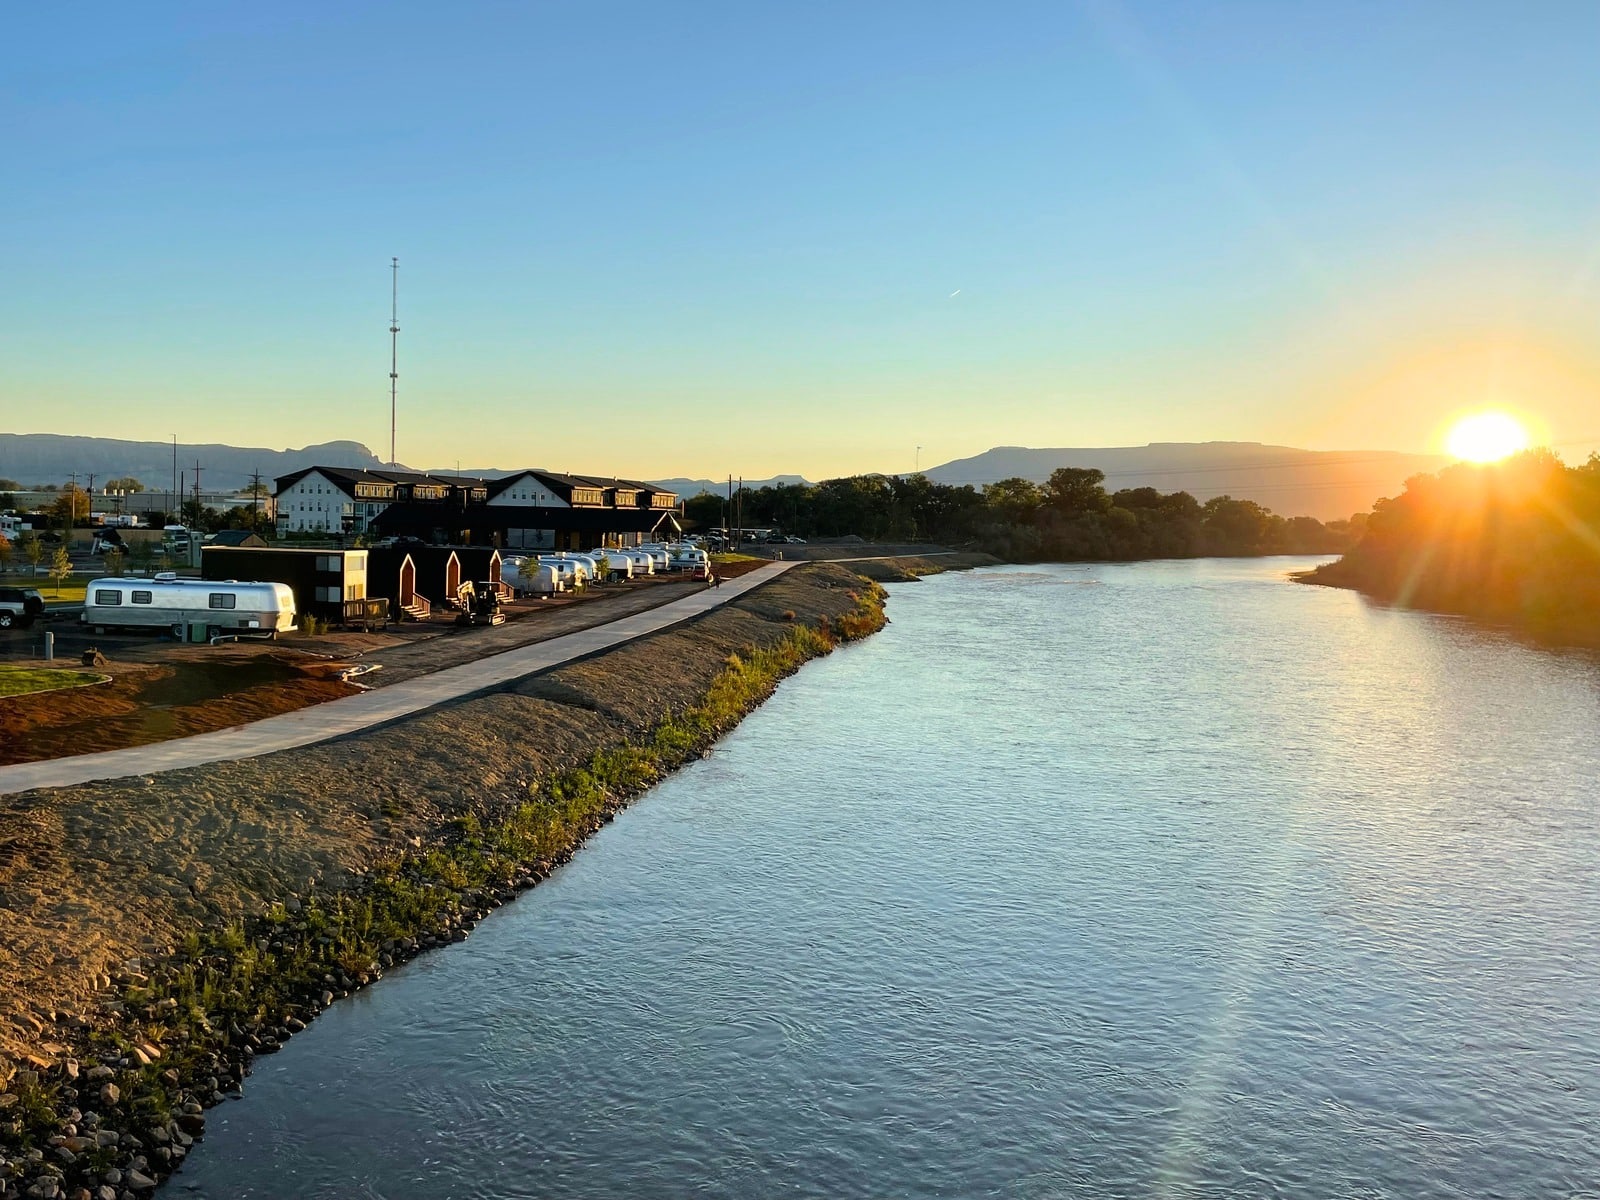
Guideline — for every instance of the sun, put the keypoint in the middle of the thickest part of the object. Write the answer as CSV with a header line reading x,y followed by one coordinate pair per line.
x,y
1486,437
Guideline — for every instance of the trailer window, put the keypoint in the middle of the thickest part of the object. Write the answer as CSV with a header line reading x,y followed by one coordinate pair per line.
x,y
143,597
107,596
223,600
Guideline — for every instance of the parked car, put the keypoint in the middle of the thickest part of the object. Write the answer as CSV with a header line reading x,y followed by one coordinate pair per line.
x,y
20,607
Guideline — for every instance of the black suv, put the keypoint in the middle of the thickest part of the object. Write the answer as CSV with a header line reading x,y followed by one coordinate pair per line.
x,y
20,606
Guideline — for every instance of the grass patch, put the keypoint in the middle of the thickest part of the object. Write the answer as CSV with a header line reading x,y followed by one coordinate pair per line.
x,y
21,681
728,557
72,591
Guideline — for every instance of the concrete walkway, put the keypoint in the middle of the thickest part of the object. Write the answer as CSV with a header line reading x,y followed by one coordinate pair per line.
x,y
337,718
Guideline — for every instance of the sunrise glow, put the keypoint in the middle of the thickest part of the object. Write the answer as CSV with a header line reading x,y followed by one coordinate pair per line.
x,y
1486,437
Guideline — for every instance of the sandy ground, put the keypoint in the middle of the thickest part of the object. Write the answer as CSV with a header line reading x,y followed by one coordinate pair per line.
x,y
92,875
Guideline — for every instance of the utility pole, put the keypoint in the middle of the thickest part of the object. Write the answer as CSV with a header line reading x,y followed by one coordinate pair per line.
x,y
738,500
727,514
917,470
394,354
174,496
255,498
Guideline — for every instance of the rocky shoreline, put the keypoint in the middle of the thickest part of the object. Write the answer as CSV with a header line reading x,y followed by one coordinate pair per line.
x,y
150,970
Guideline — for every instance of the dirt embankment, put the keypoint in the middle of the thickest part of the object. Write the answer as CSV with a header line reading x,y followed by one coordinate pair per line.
x,y
92,875
150,702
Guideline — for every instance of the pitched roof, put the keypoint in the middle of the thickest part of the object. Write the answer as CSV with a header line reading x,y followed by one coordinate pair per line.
x,y
236,537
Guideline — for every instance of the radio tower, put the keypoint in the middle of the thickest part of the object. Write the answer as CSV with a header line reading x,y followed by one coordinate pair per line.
x,y
394,353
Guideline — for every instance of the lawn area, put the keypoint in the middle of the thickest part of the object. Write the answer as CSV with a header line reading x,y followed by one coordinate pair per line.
x,y
735,558
72,590
18,681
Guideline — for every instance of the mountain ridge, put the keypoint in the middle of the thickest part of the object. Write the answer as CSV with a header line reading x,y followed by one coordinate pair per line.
x,y
1326,484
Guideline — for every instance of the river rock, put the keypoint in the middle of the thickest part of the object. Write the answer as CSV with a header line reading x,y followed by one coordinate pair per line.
x,y
110,1093
140,1182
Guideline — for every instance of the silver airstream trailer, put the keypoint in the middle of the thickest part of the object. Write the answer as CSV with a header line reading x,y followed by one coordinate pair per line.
x,y
658,555
170,604
618,565
574,572
643,564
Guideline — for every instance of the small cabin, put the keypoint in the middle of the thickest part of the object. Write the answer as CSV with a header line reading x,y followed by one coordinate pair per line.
x,y
330,585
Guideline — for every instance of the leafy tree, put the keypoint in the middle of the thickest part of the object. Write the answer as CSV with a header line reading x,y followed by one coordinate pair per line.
x,y
70,507
10,485
1075,491
5,553
124,483
1015,500
244,516
60,567
32,550
113,561
529,570
703,511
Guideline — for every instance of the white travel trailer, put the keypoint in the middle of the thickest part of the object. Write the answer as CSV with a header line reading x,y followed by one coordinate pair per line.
x,y
618,566
546,580
658,555
687,558
574,571
173,605
643,564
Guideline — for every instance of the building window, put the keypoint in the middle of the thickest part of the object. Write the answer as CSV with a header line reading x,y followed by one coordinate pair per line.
x,y
222,600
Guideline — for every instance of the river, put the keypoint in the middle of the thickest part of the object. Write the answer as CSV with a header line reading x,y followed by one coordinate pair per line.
x,y
1152,880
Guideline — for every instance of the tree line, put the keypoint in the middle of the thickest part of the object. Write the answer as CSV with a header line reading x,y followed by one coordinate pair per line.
x,y
1516,542
1071,517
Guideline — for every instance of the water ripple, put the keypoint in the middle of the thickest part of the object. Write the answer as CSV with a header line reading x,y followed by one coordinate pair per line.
x,y
1186,883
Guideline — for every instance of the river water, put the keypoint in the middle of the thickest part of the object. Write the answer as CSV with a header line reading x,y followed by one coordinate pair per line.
x,y
1155,880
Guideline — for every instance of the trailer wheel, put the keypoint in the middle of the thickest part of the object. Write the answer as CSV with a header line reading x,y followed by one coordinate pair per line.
x,y
177,633
213,631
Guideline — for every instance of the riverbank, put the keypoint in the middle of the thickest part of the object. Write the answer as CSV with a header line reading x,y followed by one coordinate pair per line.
x,y
1557,619
164,930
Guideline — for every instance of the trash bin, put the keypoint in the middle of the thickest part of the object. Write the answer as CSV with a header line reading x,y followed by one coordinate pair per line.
x,y
197,632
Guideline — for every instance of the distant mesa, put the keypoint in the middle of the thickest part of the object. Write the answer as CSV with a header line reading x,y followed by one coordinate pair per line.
x,y
33,458
1326,484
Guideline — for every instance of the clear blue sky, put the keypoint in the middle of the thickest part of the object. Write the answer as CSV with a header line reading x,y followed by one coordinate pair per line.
x,y
700,238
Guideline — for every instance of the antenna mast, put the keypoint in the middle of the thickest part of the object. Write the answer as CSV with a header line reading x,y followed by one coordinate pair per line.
x,y
394,353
